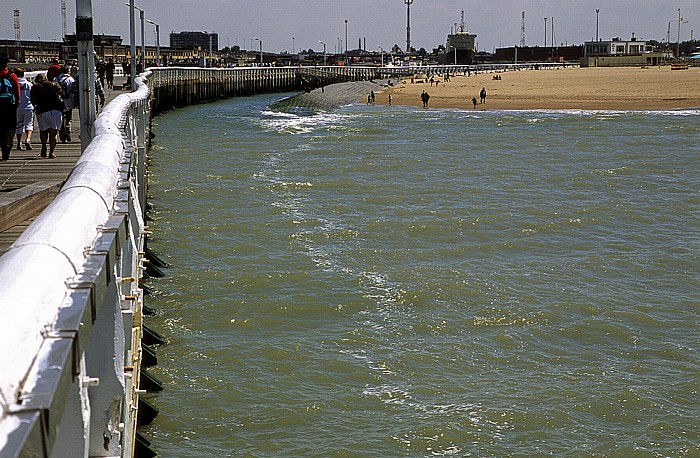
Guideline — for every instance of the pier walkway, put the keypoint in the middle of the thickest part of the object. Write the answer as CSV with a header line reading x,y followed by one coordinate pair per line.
x,y
28,182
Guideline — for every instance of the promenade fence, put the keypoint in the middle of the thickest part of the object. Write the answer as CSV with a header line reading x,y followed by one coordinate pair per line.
x,y
71,309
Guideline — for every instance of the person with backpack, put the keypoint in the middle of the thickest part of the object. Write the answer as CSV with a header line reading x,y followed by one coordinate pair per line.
x,y
9,101
67,83
25,112
48,103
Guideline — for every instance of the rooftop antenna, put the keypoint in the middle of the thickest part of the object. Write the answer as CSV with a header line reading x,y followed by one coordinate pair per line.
x,y
17,34
522,31
408,24
63,16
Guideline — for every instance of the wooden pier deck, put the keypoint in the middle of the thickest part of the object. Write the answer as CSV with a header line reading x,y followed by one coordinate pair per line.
x,y
29,182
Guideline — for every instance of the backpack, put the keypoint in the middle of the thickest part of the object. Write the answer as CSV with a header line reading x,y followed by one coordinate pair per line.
x,y
8,97
66,89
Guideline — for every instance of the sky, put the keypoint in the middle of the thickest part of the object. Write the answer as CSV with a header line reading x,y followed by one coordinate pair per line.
x,y
291,25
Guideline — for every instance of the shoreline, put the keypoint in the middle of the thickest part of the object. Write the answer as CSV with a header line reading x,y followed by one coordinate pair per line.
x,y
588,89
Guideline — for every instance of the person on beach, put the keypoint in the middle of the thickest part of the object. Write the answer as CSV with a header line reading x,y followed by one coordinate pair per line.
x,y
390,99
371,93
9,101
482,94
48,103
25,112
474,102
425,97
369,99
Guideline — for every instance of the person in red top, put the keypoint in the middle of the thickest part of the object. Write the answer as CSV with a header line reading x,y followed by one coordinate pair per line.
x,y
53,71
8,108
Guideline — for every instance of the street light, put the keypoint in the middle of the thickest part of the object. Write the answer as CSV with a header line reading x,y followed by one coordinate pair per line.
x,y
261,45
382,54
678,41
346,35
596,24
157,41
324,52
132,44
143,37
293,51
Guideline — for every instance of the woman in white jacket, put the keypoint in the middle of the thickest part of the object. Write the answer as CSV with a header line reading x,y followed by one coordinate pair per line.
x,y
25,112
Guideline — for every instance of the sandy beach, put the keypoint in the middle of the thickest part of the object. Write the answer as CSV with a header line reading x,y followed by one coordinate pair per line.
x,y
654,88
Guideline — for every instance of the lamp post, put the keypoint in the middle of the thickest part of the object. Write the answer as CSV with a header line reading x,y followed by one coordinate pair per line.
x,y
678,40
324,52
382,59
293,51
597,10
408,24
211,52
143,40
157,41
133,38
261,45
545,32
132,45
346,35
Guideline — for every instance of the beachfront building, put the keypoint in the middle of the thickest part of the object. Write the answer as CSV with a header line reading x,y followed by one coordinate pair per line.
x,y
619,53
194,40
518,54
31,51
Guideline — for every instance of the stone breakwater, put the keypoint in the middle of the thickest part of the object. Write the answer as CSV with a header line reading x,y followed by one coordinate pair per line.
x,y
329,97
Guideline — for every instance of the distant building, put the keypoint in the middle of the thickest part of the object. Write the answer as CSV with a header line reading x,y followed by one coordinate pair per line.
x,y
617,52
194,40
538,54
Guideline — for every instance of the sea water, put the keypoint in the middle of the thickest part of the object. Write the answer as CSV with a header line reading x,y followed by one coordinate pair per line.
x,y
381,281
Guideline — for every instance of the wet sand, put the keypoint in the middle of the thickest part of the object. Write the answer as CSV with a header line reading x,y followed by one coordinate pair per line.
x,y
654,88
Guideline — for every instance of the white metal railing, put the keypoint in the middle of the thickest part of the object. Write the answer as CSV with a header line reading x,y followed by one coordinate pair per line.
x,y
70,309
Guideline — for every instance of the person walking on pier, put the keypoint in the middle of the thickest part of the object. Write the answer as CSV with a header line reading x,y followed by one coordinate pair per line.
x,y
54,70
9,101
68,93
25,112
46,97
109,73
